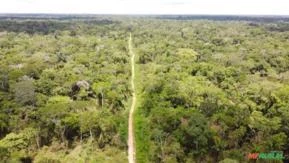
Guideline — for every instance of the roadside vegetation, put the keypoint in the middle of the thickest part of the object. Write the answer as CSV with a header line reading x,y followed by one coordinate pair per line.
x,y
63,94
211,90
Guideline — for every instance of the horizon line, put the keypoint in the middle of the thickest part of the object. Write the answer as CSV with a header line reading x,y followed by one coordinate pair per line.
x,y
145,14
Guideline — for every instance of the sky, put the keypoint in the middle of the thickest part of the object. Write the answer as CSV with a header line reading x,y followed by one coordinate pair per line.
x,y
210,7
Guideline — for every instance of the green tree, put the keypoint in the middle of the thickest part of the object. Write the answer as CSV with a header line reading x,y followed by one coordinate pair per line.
x,y
25,92
101,88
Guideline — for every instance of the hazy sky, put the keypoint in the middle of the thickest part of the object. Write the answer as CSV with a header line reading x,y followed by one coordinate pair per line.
x,y
247,7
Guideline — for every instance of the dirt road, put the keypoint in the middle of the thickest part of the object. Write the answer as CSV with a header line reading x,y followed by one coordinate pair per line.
x,y
131,142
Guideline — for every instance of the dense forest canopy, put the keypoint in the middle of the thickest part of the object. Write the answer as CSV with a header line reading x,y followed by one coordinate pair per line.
x,y
209,88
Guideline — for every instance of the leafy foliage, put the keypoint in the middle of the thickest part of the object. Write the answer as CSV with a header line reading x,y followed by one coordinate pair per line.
x,y
208,90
